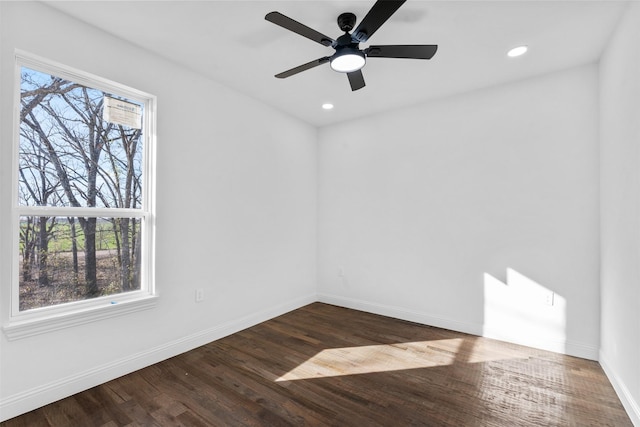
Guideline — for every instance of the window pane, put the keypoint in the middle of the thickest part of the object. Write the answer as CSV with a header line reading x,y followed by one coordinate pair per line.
x,y
79,146
64,259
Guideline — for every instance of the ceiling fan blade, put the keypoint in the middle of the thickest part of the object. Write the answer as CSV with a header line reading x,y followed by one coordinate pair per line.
x,y
416,51
378,15
303,67
298,28
356,80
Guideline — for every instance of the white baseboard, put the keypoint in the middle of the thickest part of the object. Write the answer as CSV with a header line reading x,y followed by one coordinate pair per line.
x,y
570,348
556,345
401,313
29,400
630,405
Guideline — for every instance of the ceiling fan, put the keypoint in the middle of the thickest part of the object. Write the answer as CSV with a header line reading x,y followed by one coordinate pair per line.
x,y
348,57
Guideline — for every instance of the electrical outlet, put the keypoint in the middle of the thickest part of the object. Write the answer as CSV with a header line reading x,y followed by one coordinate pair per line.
x,y
199,295
548,298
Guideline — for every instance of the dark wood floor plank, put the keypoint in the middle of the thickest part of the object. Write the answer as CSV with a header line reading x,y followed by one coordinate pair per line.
x,y
316,399
254,389
325,365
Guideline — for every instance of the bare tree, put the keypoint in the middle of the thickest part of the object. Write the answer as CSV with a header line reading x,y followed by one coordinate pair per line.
x,y
126,196
39,189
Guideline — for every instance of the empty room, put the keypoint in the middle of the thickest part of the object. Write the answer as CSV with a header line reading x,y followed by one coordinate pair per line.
x,y
320,213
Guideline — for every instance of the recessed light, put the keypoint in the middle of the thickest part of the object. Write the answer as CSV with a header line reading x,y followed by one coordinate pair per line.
x,y
327,106
517,51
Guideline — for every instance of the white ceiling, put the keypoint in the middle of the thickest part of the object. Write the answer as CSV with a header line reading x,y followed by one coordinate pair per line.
x,y
231,42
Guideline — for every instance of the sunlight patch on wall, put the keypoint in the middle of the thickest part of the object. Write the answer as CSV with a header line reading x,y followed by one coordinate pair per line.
x,y
395,357
524,312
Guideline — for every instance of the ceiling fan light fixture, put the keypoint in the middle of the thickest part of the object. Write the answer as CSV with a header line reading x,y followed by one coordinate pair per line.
x,y
347,60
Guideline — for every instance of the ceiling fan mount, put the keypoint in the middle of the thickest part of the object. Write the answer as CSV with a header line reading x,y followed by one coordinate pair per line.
x,y
346,21
348,57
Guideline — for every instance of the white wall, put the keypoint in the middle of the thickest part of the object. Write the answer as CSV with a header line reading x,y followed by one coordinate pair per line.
x,y
236,215
620,210
423,210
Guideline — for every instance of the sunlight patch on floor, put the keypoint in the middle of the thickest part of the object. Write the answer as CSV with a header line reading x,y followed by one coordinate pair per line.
x,y
392,357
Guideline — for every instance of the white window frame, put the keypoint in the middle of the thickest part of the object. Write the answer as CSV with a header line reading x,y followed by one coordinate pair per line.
x,y
44,319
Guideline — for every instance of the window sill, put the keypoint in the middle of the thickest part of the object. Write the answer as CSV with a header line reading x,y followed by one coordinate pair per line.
x,y
19,329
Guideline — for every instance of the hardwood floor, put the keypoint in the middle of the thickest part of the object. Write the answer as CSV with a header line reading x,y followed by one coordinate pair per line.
x,y
325,365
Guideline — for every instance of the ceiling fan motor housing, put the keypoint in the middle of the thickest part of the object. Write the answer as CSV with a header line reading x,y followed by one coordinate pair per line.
x,y
346,40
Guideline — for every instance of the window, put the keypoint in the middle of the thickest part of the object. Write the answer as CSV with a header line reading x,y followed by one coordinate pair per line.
x,y
83,202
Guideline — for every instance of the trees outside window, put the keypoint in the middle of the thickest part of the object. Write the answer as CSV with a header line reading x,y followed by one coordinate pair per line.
x,y
83,200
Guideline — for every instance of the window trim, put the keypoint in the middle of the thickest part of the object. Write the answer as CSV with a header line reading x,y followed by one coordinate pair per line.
x,y
45,319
